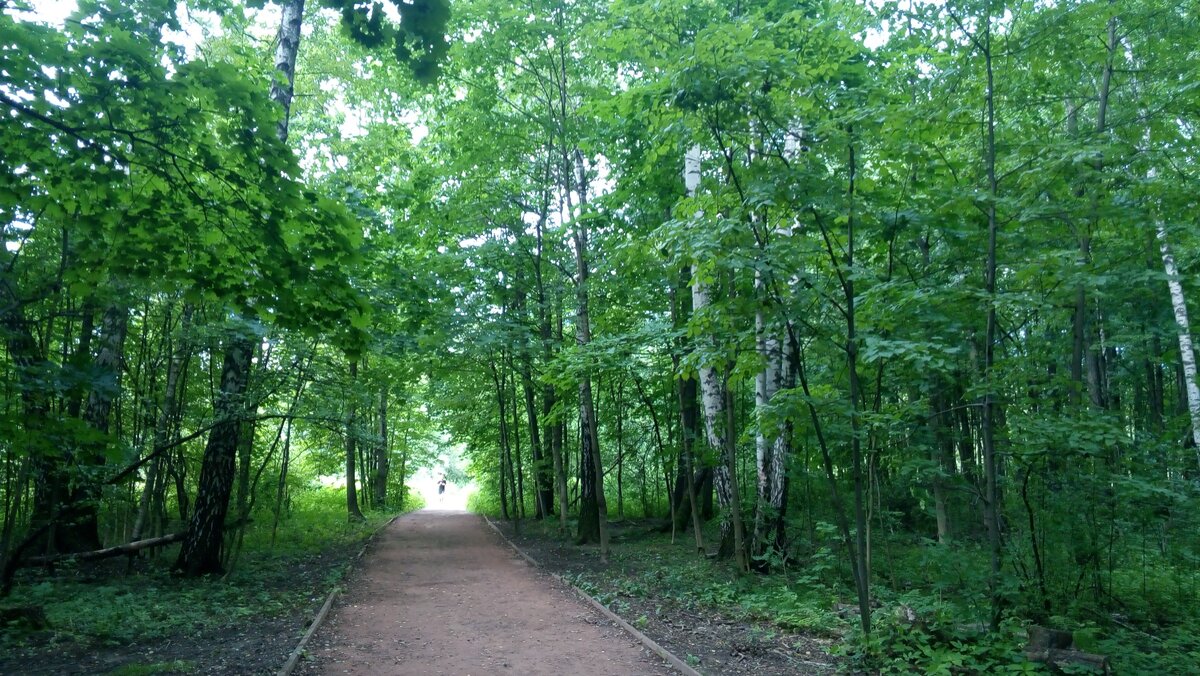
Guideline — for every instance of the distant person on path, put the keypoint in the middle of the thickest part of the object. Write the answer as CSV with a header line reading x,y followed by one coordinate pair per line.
x,y
441,486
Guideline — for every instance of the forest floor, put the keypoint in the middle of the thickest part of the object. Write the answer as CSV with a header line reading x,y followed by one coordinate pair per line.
x,y
710,641
439,593
436,591
250,641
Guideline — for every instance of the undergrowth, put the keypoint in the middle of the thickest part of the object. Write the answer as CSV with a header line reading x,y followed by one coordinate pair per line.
x,y
106,605
930,607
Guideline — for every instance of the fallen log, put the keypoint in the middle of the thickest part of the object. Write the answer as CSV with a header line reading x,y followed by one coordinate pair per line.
x,y
107,552
1058,659
1056,649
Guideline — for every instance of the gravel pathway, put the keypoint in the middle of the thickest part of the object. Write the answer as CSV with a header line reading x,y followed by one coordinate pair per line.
x,y
439,593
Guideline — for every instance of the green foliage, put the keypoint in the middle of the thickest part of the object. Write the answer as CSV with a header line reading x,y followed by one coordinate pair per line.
x,y
1173,651
915,633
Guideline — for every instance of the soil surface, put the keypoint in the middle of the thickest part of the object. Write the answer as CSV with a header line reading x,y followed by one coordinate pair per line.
x,y
439,593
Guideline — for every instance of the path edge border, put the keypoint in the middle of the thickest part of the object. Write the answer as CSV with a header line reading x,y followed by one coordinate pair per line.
x,y
679,665
294,658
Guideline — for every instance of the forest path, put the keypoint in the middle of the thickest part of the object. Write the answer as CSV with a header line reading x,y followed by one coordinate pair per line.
x,y
439,593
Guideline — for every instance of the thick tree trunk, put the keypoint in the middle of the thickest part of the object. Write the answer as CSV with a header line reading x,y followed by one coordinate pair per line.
x,y
203,543
719,433
286,49
81,532
50,482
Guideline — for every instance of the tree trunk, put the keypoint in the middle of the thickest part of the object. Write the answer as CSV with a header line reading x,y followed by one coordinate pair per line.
x,y
201,550
593,517
286,50
617,407
687,478
382,463
1187,355
203,543
770,440
519,469
352,510
862,561
502,438
81,532
719,432
165,421
990,466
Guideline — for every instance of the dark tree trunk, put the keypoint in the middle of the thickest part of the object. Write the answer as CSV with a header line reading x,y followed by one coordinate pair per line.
x,y
352,510
593,517
202,546
382,461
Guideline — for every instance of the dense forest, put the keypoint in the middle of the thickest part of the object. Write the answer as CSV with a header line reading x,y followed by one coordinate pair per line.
x,y
887,300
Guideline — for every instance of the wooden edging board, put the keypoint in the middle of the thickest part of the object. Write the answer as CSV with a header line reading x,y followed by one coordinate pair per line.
x,y
679,665
294,658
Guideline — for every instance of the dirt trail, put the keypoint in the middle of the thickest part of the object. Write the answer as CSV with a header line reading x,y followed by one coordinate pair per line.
x,y
439,593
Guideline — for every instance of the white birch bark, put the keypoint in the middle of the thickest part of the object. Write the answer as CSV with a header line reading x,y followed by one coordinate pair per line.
x,y
712,398
1187,355
717,424
769,441
286,49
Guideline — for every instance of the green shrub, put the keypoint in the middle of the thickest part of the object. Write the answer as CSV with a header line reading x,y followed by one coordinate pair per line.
x,y
920,634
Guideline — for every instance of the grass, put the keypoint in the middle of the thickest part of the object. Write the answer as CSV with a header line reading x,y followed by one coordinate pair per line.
x,y
157,668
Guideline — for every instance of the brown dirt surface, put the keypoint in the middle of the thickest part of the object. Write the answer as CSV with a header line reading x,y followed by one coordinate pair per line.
x,y
713,643
439,593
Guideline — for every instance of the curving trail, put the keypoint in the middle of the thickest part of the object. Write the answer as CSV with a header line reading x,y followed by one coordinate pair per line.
x,y
439,593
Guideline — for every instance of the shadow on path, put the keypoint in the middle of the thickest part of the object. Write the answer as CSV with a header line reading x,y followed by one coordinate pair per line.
x,y
439,593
